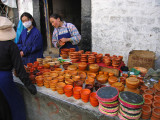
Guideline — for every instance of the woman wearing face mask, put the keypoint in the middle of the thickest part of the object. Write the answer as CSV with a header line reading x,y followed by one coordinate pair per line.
x,y
30,41
65,35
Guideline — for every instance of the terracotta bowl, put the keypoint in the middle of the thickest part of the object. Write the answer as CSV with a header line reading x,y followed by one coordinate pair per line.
x,y
94,67
156,104
157,98
156,112
132,90
112,80
82,66
119,86
148,102
148,96
146,110
102,78
148,91
92,75
72,67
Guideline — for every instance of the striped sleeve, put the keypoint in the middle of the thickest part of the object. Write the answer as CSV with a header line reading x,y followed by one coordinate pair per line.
x,y
75,36
55,38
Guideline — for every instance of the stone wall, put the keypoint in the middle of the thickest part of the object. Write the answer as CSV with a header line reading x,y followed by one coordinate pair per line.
x,y
119,26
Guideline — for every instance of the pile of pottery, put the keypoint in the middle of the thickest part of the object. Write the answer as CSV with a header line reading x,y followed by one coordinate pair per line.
x,y
123,78
66,51
84,58
132,84
82,66
108,100
116,61
53,84
93,100
77,92
151,107
94,68
60,87
130,105
119,86
99,58
112,79
68,89
85,94
74,56
107,60
66,64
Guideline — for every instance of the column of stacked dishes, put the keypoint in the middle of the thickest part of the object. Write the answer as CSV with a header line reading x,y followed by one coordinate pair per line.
x,y
151,107
108,100
130,105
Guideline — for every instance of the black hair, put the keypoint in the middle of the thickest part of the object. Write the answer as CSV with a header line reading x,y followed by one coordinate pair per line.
x,y
56,16
28,15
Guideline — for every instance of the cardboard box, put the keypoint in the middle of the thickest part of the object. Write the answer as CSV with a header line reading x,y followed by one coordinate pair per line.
x,y
112,70
141,58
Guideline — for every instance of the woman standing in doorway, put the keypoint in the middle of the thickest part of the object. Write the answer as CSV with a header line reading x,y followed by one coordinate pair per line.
x,y
30,41
65,35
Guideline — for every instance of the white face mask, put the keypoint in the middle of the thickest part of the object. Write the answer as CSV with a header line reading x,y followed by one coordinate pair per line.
x,y
27,24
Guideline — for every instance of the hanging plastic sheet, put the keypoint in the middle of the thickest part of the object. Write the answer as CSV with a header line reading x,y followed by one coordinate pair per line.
x,y
19,30
10,3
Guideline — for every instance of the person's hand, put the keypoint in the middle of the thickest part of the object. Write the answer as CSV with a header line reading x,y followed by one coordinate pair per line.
x,y
61,43
32,89
65,40
21,53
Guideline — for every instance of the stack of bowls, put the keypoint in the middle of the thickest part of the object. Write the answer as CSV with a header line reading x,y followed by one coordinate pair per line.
x,y
39,80
74,56
78,83
68,89
108,100
53,84
91,59
82,66
99,58
60,87
85,93
47,81
130,105
76,92
119,86
112,79
93,68
93,100
82,75
132,84
69,81
84,58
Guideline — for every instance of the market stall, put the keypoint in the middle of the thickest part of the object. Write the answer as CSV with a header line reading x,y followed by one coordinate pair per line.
x,y
80,79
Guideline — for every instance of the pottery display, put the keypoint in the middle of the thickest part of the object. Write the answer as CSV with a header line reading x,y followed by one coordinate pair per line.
x,y
102,78
82,66
112,80
93,68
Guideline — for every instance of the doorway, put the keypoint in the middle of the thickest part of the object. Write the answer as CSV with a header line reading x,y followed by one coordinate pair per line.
x,y
70,10
77,12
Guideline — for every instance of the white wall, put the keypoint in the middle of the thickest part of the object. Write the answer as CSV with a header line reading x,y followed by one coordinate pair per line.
x,y
119,26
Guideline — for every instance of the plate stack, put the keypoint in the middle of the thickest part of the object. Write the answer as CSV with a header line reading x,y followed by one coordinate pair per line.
x,y
108,100
130,105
